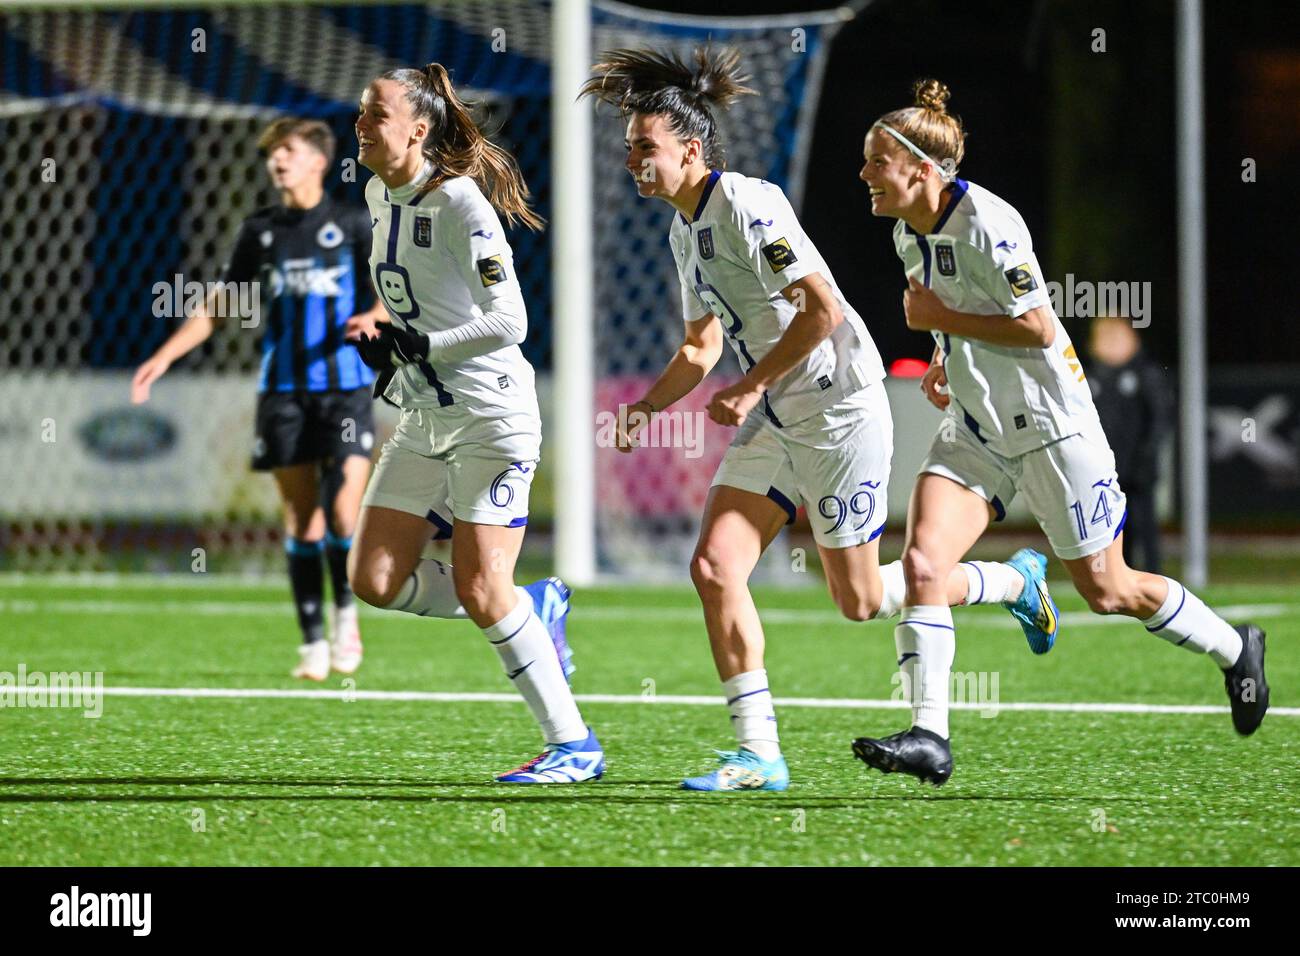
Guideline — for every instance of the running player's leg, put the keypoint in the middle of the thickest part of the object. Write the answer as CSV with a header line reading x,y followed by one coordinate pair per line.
x,y
1074,493
842,462
385,564
304,529
488,497
945,518
385,551
1172,612
737,528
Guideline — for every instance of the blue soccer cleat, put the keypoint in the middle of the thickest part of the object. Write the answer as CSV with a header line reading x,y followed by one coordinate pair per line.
x,y
573,762
551,602
1034,609
742,770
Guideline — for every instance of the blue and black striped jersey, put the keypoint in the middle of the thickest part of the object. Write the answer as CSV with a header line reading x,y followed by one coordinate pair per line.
x,y
313,273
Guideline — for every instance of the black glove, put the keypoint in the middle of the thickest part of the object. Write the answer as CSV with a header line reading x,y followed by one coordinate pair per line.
x,y
392,347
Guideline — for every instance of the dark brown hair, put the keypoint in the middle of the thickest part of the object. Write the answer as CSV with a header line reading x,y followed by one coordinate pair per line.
x,y
657,83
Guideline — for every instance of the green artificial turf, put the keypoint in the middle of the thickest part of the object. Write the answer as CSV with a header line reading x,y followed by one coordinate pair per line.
x,y
260,780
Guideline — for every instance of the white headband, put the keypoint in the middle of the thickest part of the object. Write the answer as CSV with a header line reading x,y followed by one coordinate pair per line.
x,y
944,174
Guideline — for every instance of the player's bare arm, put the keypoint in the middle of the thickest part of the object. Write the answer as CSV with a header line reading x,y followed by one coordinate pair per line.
x,y
926,312
819,315
193,332
700,350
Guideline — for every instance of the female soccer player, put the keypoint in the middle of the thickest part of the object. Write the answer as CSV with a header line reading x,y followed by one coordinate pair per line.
x,y
314,420
812,416
1023,420
467,446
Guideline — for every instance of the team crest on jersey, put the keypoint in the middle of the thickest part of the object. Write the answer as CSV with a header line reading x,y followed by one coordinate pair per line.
x,y
779,255
266,238
492,270
945,259
329,236
422,231
705,239
1021,279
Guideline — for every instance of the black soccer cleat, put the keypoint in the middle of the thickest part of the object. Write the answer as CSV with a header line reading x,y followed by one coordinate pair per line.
x,y
1244,680
922,753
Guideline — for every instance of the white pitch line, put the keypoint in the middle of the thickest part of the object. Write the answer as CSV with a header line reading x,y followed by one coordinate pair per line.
x,y
688,615
686,700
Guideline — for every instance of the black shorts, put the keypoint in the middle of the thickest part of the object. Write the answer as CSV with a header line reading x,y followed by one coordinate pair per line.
x,y
295,428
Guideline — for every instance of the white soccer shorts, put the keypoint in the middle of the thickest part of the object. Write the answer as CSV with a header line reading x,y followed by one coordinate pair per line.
x,y
1070,485
836,463
449,463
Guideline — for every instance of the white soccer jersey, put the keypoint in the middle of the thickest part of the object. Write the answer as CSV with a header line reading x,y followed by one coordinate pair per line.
x,y
979,259
741,248
439,260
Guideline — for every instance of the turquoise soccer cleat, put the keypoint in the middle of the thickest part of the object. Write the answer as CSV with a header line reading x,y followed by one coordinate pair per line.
x,y
551,603
573,762
1034,609
742,770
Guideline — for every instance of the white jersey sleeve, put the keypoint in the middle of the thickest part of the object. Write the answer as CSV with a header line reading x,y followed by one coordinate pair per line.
x,y
767,236
475,243
1007,273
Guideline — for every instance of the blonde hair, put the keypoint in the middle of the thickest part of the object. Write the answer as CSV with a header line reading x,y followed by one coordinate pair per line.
x,y
928,124
457,147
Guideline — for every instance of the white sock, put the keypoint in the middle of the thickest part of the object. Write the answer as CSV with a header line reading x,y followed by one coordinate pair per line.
x,y
926,646
429,592
991,582
1184,620
529,659
753,718
893,592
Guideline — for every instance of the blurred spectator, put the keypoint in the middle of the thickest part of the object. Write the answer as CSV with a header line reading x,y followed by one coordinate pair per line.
x,y
1136,408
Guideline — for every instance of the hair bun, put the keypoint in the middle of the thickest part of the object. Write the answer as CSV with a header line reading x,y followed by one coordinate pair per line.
x,y
931,95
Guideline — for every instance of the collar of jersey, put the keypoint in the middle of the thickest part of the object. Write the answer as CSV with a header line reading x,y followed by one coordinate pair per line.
x,y
959,187
402,193
714,176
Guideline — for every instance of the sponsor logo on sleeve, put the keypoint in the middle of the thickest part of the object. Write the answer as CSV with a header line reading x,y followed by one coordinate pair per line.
x,y
492,270
779,255
1021,280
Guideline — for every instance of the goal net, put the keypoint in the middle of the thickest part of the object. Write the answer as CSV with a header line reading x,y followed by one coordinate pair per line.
x,y
128,151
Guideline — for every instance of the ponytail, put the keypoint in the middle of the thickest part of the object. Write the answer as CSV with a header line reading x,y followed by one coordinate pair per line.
x,y
652,82
457,147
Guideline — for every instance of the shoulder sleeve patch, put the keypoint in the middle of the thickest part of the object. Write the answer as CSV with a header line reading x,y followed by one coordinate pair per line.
x,y
492,270
1021,279
779,255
